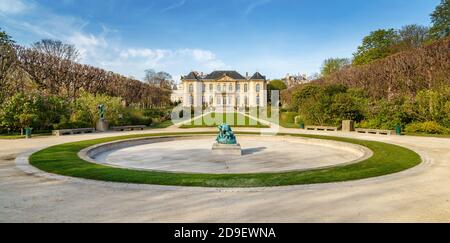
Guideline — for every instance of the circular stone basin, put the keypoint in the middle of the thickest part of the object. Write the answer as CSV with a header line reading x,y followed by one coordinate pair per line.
x,y
194,154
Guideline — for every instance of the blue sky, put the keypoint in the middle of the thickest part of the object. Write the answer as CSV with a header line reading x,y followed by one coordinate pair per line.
x,y
274,37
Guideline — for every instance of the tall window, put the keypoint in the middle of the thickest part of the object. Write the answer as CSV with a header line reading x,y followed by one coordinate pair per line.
x,y
191,100
211,100
246,88
238,100
219,100
203,100
211,88
257,100
219,88
246,101
230,88
258,88
203,87
191,88
224,88
238,87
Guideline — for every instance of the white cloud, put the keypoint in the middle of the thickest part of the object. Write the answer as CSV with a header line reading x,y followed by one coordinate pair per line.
x,y
13,6
105,49
256,3
176,5
173,61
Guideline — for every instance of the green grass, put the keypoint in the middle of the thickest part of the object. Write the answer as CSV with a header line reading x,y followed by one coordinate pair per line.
x,y
289,124
18,136
159,125
216,119
63,160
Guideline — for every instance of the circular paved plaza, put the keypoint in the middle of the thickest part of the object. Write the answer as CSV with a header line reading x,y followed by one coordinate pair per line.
x,y
418,194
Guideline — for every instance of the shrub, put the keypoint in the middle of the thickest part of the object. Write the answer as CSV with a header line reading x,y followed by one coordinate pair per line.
x,y
135,117
288,117
32,110
432,106
430,127
71,125
85,109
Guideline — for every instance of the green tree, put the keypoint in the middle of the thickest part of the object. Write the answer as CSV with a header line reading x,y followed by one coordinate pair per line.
x,y
375,46
5,38
276,85
32,110
332,65
440,19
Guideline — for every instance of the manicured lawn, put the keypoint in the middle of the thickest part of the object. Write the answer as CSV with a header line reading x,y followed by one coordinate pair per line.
x,y
232,119
164,124
63,160
18,136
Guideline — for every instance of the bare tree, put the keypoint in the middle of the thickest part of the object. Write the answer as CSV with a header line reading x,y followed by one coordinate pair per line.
x,y
413,36
58,49
159,79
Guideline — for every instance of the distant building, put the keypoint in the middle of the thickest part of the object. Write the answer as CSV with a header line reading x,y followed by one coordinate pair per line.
x,y
224,89
294,80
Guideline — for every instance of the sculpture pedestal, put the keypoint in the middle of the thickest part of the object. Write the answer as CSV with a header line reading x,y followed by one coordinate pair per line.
x,y
102,126
227,149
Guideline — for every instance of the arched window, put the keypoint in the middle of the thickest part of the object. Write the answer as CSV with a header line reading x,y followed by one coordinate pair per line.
x,y
258,88
224,88
219,88
246,88
238,87
230,88
191,88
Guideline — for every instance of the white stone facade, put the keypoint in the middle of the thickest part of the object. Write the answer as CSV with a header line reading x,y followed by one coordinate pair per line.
x,y
224,89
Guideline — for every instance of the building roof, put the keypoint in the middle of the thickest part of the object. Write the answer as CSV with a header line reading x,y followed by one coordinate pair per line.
x,y
220,74
258,76
192,76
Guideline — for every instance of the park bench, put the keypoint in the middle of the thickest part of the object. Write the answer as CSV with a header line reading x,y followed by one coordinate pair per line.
x,y
375,131
322,128
64,132
128,128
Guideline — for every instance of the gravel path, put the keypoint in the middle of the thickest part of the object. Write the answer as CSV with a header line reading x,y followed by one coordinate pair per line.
x,y
421,194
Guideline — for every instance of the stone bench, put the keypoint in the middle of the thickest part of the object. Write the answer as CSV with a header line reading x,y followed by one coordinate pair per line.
x,y
129,128
375,131
64,132
322,128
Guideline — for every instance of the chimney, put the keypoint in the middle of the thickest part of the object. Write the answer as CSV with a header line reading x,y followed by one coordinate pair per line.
x,y
246,75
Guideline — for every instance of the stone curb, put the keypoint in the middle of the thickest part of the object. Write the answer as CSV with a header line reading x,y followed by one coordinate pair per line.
x,y
22,163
